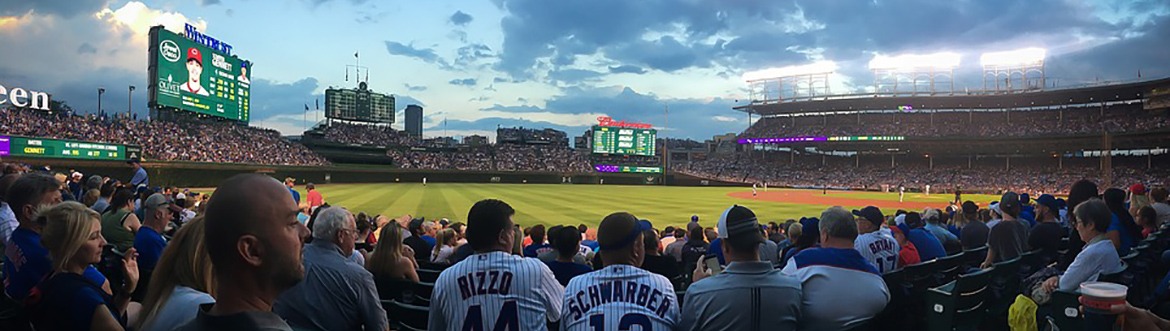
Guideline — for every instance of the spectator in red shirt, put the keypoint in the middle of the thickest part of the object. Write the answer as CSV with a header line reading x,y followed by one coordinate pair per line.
x,y
908,255
314,197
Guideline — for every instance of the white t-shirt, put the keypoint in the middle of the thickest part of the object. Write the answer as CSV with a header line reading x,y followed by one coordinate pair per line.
x,y
618,297
496,288
179,309
444,254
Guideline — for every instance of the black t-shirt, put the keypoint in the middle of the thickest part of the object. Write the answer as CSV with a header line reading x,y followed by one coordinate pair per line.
x,y
691,252
1046,236
662,265
1008,239
974,235
422,250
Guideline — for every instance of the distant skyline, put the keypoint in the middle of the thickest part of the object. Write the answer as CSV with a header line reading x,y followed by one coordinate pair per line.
x,y
562,64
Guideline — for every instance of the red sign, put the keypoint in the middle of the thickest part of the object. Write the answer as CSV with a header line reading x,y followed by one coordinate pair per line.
x,y
608,121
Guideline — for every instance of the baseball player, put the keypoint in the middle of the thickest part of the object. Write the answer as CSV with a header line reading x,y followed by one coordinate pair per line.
x,y
493,289
194,72
753,190
620,296
875,245
901,192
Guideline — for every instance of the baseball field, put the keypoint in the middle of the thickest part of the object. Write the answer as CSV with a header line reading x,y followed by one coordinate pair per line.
x,y
551,204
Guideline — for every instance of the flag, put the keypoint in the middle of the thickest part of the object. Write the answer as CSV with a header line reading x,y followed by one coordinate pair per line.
x,y
347,74
306,107
318,102
355,55
368,75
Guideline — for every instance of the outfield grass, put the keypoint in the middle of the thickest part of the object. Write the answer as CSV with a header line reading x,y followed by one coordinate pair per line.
x,y
552,204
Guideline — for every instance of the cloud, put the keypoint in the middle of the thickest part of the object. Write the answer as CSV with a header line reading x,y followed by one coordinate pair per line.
x,y
63,8
720,118
574,76
627,69
460,18
415,88
472,53
425,54
209,2
516,109
463,82
86,48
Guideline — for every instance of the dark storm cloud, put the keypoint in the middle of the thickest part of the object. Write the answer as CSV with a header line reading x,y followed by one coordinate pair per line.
x,y
63,8
627,69
1120,60
460,18
463,82
470,53
271,98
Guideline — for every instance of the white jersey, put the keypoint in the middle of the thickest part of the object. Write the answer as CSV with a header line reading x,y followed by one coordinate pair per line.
x,y
878,249
495,291
619,297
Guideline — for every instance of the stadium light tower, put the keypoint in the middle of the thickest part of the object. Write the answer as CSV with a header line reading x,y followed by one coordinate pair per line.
x,y
914,74
1015,70
791,83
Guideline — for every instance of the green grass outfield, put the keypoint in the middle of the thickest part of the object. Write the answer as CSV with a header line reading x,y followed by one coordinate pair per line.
x,y
552,204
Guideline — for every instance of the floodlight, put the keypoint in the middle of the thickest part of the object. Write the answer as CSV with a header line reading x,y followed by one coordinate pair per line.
x,y
819,67
1024,56
941,60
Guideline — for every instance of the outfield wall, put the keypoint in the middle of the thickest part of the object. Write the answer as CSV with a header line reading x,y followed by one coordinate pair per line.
x,y
192,174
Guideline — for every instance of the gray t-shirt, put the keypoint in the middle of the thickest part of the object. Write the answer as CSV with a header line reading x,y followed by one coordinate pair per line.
x,y
745,296
180,308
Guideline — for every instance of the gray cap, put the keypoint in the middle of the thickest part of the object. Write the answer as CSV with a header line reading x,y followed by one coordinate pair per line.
x,y
154,201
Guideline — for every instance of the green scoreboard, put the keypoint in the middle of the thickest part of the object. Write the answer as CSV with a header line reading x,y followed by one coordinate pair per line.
x,y
188,75
625,141
17,146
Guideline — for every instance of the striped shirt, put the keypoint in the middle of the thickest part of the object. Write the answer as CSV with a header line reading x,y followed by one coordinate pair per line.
x,y
618,297
487,291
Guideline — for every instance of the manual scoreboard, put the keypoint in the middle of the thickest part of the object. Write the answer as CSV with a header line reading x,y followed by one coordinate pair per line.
x,y
624,141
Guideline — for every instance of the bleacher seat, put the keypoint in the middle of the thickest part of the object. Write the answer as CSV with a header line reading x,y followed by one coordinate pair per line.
x,y
1064,310
401,290
975,256
894,315
958,305
406,316
949,267
428,275
680,295
1004,285
422,293
1032,261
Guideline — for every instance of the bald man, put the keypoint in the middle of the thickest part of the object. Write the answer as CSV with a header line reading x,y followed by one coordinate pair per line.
x,y
254,240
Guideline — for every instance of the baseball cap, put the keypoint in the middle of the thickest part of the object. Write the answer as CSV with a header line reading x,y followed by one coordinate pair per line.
x,y
134,160
694,218
1049,201
193,54
871,214
1138,188
738,223
1009,201
1024,199
970,207
180,196
619,230
810,228
77,175
901,228
900,219
158,200
930,213
914,220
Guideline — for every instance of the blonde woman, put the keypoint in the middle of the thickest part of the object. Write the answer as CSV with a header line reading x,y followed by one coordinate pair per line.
x,y
182,281
66,300
445,242
391,259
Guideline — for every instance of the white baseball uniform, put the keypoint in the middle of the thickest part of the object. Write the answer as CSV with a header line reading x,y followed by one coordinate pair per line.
x,y
620,297
879,249
495,291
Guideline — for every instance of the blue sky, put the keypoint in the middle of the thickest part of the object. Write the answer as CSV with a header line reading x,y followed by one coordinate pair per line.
x,y
561,64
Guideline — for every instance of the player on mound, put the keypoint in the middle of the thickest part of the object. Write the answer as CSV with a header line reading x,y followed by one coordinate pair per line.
x,y
753,190
493,289
620,296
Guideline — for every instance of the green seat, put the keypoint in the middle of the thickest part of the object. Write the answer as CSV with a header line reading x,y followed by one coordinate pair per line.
x,y
895,315
422,293
960,304
427,275
975,256
1064,310
950,267
1032,261
407,316
1004,285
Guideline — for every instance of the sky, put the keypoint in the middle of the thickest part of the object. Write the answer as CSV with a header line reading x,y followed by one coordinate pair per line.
x,y
477,65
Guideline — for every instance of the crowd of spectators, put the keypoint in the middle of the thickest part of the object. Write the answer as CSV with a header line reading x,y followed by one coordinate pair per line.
x,y
501,157
1021,178
367,134
1073,121
217,142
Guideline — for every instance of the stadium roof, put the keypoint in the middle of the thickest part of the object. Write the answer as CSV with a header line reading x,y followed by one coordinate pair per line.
x,y
868,101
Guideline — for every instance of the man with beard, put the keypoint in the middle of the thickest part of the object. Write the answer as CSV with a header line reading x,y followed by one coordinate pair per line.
x,y
254,241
